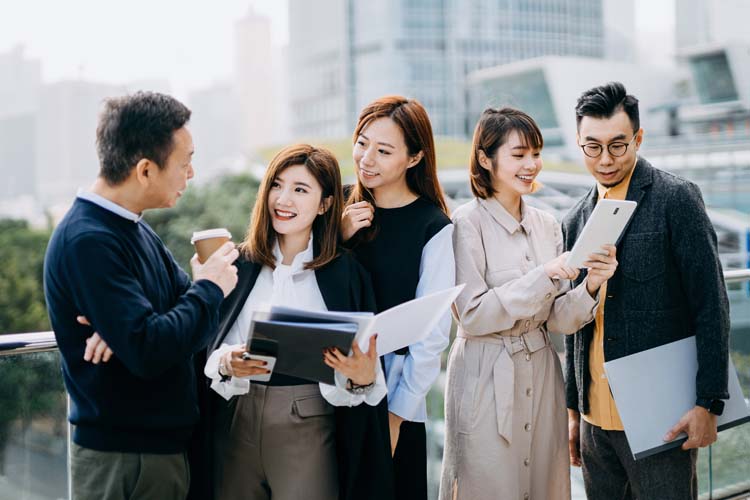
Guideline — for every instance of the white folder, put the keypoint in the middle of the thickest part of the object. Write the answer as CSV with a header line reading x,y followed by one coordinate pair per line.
x,y
653,389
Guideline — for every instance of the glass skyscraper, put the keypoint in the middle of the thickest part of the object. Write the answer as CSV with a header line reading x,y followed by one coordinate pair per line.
x,y
344,53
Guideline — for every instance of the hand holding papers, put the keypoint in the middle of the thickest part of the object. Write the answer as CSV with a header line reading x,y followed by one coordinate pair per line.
x,y
397,327
303,335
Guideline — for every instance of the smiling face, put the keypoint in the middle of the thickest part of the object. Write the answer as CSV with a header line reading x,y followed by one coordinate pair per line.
x,y
610,170
295,199
514,166
381,156
168,183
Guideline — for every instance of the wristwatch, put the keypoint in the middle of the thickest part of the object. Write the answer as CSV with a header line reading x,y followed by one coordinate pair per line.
x,y
357,388
715,406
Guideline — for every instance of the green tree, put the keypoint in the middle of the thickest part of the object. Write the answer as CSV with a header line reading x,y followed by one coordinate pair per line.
x,y
22,307
30,385
225,202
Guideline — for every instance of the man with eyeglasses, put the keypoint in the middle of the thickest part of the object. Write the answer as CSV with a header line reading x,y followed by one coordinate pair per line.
x,y
668,285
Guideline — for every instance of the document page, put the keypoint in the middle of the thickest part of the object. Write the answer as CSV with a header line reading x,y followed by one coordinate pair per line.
x,y
397,327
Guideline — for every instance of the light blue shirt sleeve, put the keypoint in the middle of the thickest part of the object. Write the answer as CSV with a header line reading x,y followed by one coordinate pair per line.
x,y
409,377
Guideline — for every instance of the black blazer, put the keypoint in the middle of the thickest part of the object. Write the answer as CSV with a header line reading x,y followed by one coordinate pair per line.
x,y
362,432
669,283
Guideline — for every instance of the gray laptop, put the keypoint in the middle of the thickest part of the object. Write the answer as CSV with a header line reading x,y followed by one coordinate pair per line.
x,y
653,389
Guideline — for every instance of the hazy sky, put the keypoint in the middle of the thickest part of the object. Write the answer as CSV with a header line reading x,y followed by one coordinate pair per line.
x,y
188,42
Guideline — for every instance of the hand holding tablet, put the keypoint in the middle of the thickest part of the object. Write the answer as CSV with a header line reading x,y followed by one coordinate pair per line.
x,y
604,227
601,267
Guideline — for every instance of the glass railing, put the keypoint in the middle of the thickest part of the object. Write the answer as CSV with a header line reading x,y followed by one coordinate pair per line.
x,y
723,468
34,430
33,424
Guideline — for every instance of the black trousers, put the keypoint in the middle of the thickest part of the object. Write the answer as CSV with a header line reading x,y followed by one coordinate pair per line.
x,y
364,452
410,462
611,473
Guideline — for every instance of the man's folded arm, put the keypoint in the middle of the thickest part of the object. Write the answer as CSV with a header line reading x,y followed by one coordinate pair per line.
x,y
110,295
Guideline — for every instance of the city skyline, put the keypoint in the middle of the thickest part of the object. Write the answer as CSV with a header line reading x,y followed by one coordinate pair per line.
x,y
242,98
189,44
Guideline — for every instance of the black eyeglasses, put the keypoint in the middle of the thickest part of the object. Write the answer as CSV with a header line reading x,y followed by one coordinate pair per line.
x,y
616,149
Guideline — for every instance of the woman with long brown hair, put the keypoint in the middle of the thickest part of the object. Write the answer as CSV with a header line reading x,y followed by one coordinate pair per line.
x,y
283,439
396,221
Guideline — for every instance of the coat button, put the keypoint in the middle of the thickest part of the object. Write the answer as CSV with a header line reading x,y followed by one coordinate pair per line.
x,y
528,357
525,496
527,427
548,296
529,391
528,322
526,462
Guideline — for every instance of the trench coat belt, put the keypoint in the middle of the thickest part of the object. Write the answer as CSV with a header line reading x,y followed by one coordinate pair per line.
x,y
503,371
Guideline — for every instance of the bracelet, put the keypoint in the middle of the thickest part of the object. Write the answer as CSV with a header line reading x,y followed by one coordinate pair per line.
x,y
353,388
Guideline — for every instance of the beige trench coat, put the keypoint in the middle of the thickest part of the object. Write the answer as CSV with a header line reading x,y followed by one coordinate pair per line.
x,y
506,422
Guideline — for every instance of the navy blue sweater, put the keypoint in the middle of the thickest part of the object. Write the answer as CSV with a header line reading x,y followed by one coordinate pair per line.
x,y
119,274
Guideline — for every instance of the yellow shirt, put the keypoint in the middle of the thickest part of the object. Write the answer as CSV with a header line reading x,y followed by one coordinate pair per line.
x,y
602,410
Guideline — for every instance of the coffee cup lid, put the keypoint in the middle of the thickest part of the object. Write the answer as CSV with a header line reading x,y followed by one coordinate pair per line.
x,y
211,233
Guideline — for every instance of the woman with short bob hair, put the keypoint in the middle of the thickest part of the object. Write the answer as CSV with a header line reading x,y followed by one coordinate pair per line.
x,y
506,421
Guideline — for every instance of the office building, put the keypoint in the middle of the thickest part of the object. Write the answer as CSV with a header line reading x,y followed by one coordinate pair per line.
x,y
344,53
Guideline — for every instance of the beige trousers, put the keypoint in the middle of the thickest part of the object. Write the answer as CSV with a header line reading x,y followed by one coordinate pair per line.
x,y
280,443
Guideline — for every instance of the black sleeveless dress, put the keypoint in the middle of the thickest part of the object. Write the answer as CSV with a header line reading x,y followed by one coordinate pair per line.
x,y
393,260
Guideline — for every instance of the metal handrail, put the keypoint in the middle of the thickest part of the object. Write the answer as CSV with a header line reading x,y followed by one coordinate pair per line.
x,y
21,343
25,343
736,275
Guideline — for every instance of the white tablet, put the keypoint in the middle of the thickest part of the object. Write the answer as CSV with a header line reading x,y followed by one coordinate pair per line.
x,y
604,227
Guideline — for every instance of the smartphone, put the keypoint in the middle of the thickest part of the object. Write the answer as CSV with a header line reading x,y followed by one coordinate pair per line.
x,y
262,350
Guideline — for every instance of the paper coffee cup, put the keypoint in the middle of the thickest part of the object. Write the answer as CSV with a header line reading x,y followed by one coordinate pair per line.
x,y
208,241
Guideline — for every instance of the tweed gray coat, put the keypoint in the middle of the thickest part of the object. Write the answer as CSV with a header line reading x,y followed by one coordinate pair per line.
x,y
669,284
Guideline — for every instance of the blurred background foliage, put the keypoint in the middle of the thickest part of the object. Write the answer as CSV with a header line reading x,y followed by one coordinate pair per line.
x,y
31,388
225,202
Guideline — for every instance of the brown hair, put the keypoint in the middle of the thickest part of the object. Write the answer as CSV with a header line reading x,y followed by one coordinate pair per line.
x,y
260,237
491,132
412,119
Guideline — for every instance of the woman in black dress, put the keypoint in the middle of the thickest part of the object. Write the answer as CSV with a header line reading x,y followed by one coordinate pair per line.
x,y
396,220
